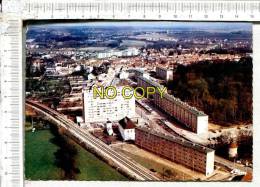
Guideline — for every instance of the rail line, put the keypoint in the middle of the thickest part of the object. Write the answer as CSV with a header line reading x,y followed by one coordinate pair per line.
x,y
141,172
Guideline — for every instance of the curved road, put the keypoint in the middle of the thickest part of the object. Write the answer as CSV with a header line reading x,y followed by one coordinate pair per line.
x,y
140,172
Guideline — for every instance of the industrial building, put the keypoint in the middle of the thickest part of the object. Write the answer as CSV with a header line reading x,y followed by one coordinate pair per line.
x,y
164,73
176,149
195,120
102,110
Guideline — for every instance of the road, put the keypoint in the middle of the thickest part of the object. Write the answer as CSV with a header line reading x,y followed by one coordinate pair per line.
x,y
140,172
232,165
191,137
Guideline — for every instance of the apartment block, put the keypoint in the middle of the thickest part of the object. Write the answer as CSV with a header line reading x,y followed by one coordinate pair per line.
x,y
164,73
191,155
102,110
195,120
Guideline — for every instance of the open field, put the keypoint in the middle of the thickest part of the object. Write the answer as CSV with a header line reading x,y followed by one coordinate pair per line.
x,y
93,169
39,161
39,156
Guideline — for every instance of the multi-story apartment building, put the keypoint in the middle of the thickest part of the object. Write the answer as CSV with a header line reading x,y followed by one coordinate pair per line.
x,y
176,149
119,53
164,73
195,120
140,72
145,82
102,110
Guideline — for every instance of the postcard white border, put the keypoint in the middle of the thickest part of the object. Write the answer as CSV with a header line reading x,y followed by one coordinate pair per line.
x,y
256,143
256,140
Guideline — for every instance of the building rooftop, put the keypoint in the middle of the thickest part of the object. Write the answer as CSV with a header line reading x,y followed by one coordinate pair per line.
x,y
184,105
127,123
121,82
139,70
153,83
177,140
165,68
174,99
233,145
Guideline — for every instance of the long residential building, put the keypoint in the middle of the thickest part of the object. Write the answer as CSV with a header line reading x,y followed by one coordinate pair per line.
x,y
164,73
176,149
119,53
139,72
102,110
195,120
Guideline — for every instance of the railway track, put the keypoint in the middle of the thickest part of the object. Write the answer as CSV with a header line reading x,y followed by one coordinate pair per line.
x,y
141,172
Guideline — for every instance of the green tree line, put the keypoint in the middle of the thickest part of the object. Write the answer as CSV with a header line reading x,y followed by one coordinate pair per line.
x,y
222,89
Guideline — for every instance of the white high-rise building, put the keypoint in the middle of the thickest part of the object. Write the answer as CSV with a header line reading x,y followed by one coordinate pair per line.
x,y
102,110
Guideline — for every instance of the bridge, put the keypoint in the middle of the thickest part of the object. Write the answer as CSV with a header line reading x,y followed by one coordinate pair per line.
x,y
123,163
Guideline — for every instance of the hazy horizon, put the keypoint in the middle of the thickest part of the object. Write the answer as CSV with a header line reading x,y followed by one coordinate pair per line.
x,y
218,26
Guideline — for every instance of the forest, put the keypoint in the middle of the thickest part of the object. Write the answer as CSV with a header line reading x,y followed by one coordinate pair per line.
x,y
222,89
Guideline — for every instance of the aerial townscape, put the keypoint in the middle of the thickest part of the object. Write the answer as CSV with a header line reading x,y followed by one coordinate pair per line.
x,y
138,101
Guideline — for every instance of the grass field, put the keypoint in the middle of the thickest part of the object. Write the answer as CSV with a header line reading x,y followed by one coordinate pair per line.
x,y
39,157
157,164
93,169
39,161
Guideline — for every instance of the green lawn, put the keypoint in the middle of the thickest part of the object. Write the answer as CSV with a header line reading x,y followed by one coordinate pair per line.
x,y
160,168
39,156
93,169
39,161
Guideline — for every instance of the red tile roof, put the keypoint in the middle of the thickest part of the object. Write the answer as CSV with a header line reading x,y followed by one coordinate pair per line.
x,y
126,123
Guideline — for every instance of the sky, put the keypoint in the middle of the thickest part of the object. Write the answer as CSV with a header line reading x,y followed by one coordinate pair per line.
x,y
158,24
